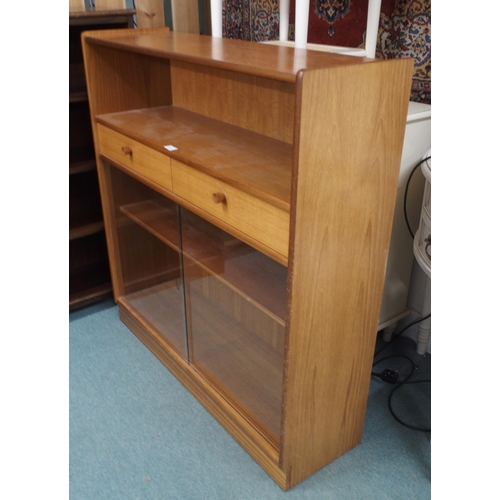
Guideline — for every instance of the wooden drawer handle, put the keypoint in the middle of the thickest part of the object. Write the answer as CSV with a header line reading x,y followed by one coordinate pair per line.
x,y
127,150
219,197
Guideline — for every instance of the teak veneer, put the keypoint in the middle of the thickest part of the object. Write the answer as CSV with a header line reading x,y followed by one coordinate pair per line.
x,y
248,195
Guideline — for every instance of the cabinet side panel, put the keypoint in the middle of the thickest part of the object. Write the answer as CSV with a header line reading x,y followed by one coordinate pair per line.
x,y
351,134
254,103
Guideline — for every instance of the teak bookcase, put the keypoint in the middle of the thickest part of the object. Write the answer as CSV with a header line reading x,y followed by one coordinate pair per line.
x,y
248,195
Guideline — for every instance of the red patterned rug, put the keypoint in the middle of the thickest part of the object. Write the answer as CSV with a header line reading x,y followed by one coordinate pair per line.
x,y
404,30
255,20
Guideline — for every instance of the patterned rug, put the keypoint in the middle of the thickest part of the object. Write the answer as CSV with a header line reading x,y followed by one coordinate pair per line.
x,y
404,30
255,20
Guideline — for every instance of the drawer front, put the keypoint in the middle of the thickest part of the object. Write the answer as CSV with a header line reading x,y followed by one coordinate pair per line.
x,y
256,218
143,160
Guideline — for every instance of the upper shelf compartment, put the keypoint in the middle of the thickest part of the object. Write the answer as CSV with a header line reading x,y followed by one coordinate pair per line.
x,y
274,62
236,87
232,109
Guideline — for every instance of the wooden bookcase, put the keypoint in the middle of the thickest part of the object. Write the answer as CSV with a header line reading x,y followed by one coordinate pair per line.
x,y
248,195
89,275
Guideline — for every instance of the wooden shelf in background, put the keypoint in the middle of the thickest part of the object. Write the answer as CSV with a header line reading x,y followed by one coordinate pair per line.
x,y
85,230
78,95
89,283
90,294
102,17
82,166
90,279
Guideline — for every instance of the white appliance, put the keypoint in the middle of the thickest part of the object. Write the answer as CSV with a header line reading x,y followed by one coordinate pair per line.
x,y
417,142
422,251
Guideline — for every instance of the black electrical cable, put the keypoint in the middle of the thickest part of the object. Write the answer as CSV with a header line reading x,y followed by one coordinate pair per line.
x,y
412,427
399,334
391,376
406,194
388,378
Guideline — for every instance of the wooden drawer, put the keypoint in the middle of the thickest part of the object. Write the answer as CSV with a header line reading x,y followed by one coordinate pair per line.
x,y
259,220
151,164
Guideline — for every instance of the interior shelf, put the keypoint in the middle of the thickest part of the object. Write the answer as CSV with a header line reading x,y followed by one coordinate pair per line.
x,y
161,221
248,272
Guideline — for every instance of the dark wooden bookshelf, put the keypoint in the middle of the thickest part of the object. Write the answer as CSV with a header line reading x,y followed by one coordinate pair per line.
x,y
89,274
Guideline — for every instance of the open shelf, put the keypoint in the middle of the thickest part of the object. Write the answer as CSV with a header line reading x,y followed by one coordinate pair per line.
x,y
275,63
77,93
82,230
81,158
79,166
89,276
85,211
90,292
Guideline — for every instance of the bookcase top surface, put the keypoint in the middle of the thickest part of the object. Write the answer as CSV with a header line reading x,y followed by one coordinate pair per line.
x,y
280,63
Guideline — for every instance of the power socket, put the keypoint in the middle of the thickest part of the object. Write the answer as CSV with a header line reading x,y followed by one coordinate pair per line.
x,y
390,376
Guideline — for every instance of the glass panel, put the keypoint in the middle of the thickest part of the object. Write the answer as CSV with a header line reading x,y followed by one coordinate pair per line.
x,y
148,236
236,306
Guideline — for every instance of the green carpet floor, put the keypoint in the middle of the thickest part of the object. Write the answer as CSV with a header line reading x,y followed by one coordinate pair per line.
x,y
136,433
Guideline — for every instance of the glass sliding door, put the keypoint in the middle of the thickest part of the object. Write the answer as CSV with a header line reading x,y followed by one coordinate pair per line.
x,y
215,300
236,306
150,260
